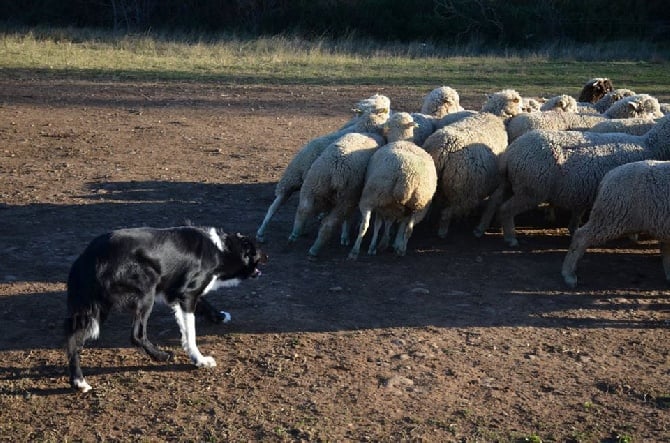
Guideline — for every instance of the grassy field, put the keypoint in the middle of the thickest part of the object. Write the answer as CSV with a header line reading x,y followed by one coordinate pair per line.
x,y
282,60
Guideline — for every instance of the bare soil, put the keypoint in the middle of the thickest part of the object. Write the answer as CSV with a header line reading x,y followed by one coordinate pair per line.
x,y
462,339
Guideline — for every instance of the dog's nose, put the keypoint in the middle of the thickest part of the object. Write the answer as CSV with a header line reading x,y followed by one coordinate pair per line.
x,y
256,273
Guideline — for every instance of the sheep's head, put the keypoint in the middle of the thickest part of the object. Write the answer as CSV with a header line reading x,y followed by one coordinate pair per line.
x,y
531,104
563,103
506,103
440,102
400,126
595,89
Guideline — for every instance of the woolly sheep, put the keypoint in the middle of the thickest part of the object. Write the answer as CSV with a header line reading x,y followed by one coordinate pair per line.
x,y
399,185
563,168
466,156
639,105
609,99
333,185
560,103
436,104
664,108
294,174
531,104
371,104
633,126
631,199
594,89
506,103
440,102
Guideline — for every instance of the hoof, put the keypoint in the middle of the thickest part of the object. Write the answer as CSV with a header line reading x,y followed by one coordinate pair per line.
x,y
570,280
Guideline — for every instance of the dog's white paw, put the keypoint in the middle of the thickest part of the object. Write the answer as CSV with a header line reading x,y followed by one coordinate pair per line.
x,y
205,362
225,316
81,384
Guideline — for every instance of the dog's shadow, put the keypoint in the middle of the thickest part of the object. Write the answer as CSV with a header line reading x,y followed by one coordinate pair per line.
x,y
15,375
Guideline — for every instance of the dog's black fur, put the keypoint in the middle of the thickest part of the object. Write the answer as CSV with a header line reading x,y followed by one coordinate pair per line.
x,y
128,268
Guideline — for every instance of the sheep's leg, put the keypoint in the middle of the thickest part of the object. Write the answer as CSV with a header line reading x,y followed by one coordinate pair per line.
x,y
445,220
304,211
379,221
278,201
344,236
575,220
578,246
492,206
404,233
328,224
665,254
363,228
513,206
386,238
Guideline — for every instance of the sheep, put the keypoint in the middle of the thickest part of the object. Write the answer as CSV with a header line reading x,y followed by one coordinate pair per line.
x,y
594,89
633,106
531,104
436,104
632,198
333,185
563,168
638,105
606,101
294,174
373,103
399,185
633,126
560,103
466,156
440,102
505,104
664,108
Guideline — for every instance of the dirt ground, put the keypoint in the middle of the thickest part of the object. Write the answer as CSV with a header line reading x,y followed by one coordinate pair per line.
x,y
463,339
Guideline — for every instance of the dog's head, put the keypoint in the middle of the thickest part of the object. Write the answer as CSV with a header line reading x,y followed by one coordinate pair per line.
x,y
243,250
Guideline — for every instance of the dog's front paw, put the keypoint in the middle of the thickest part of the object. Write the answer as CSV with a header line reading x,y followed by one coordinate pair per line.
x,y
205,362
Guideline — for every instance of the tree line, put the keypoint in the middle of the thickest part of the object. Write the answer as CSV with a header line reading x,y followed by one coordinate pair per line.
x,y
505,22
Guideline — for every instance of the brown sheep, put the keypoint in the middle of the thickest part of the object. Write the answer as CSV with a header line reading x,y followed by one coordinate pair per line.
x,y
594,89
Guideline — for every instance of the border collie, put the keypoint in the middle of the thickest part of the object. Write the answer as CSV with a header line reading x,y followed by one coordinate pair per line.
x,y
128,269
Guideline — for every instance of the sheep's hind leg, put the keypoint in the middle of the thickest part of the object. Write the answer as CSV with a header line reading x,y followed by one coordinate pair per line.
x,y
492,206
363,228
278,201
379,221
305,209
508,210
328,224
402,236
578,245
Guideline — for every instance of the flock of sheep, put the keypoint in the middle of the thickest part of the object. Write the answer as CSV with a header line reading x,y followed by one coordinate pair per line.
x,y
607,152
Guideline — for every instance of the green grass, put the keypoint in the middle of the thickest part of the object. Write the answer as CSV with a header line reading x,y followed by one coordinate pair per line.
x,y
88,54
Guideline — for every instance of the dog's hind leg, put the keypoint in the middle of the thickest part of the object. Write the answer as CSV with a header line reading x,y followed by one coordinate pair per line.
x,y
139,336
186,322
78,328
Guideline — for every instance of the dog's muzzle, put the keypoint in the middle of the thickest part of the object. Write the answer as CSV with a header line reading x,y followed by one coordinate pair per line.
x,y
257,273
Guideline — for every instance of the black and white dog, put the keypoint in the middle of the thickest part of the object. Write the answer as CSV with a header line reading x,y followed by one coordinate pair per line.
x,y
128,269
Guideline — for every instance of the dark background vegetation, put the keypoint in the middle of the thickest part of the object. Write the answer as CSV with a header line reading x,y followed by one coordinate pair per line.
x,y
507,22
